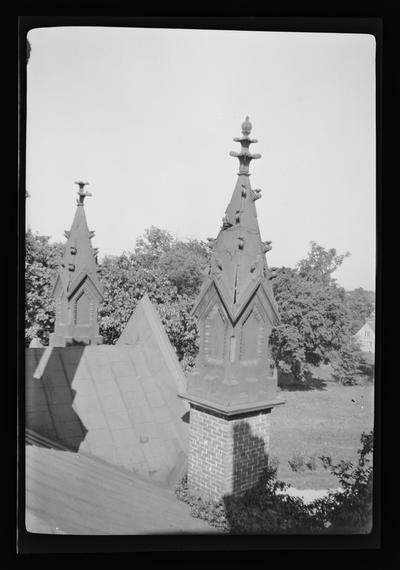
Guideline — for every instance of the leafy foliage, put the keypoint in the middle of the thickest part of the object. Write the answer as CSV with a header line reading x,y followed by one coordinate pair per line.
x,y
170,271
301,462
320,264
211,511
41,261
350,509
347,364
268,508
315,321
361,304
183,262
125,280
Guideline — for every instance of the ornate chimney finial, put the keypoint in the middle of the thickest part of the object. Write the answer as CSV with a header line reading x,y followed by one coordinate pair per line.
x,y
246,127
81,192
245,156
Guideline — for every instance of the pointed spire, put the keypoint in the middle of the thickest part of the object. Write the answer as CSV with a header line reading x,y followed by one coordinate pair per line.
x,y
238,261
236,307
79,255
78,290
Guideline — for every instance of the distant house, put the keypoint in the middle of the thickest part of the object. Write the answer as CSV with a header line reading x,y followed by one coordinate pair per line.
x,y
366,337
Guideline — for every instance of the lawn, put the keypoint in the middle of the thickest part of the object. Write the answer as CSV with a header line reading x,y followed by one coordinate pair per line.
x,y
323,418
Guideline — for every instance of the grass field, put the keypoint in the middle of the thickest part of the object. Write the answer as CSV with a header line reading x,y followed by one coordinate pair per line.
x,y
323,418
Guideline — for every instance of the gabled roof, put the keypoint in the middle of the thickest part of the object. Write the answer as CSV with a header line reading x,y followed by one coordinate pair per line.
x,y
72,493
145,327
369,324
118,402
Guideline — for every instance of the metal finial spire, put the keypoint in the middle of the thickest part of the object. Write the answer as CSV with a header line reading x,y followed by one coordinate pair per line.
x,y
82,193
245,156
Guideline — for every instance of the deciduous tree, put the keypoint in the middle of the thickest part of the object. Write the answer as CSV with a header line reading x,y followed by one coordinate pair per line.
x,y
315,320
41,261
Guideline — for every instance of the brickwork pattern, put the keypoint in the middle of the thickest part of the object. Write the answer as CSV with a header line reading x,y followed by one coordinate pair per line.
x,y
226,454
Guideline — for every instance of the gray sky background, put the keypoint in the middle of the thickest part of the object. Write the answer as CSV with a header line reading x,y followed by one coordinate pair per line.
x,y
147,116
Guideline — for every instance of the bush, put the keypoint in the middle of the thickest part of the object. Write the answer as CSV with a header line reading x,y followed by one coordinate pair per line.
x,y
268,508
351,509
346,365
212,512
301,462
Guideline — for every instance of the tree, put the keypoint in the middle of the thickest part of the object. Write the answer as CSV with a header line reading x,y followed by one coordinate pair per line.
x,y
184,264
315,320
361,304
125,280
320,264
41,262
150,247
170,271
347,363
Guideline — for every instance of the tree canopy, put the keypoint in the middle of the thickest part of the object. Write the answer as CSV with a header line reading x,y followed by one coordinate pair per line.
x,y
361,304
316,320
41,262
318,317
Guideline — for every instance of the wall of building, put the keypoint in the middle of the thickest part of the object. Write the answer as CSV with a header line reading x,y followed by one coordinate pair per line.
x,y
366,338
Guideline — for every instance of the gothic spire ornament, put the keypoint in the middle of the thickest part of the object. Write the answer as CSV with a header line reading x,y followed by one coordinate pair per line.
x,y
77,290
236,306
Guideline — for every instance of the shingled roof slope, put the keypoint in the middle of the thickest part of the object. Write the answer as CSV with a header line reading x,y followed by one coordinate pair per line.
x,y
70,493
145,327
118,403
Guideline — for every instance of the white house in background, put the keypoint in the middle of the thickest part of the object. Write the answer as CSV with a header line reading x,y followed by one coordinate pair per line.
x,y
366,337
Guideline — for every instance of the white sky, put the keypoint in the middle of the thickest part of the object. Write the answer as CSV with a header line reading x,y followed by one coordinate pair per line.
x,y
147,116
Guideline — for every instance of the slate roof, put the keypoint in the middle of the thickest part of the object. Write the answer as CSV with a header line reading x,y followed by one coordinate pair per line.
x,y
70,493
118,403
145,328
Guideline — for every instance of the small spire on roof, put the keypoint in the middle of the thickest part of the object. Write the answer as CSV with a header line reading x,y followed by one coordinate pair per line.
x,y
82,193
77,290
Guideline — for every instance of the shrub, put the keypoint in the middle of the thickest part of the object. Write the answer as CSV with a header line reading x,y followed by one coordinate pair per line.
x,y
212,512
350,509
268,508
301,462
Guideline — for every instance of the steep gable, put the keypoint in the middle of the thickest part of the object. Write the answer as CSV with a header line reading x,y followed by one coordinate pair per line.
x,y
118,403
